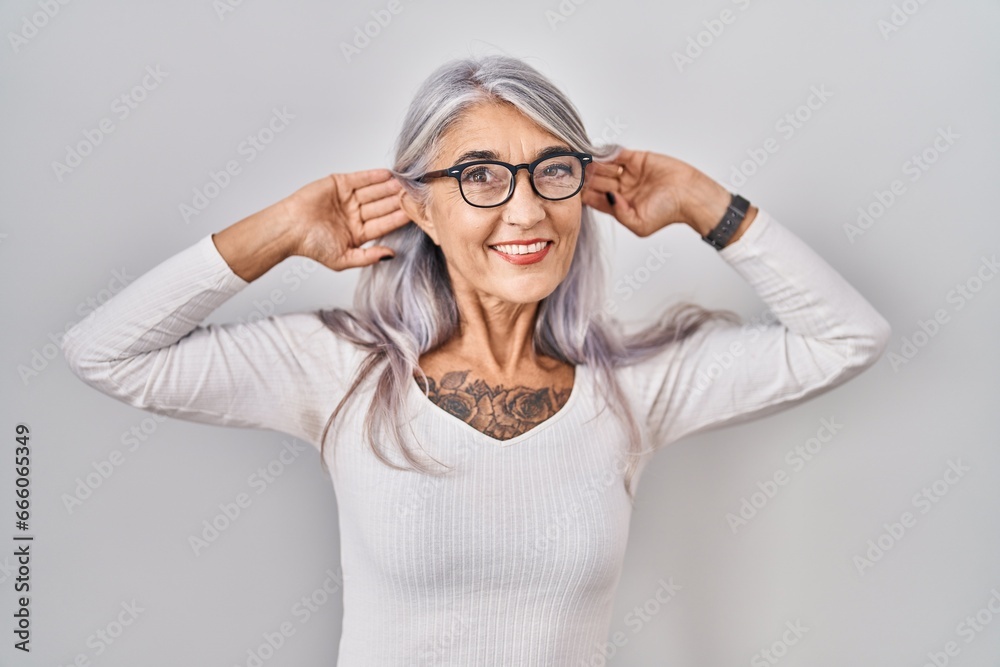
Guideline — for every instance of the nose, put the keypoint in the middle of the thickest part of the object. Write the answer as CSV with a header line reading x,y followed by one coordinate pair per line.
x,y
524,206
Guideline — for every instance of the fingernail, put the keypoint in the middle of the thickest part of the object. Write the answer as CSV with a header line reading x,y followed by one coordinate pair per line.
x,y
385,257
611,198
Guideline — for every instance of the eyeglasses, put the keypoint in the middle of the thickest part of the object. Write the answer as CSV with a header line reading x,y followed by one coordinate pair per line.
x,y
489,183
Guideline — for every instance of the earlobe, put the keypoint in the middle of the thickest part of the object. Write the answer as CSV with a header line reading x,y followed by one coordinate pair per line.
x,y
418,214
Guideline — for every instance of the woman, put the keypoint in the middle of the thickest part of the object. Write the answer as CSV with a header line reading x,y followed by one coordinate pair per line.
x,y
484,491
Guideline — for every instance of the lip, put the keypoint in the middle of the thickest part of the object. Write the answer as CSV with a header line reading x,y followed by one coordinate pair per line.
x,y
525,259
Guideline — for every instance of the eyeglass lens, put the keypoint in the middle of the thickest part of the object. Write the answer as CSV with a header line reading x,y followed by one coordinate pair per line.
x,y
555,178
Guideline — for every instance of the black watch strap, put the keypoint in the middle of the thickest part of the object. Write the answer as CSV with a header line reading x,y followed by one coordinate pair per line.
x,y
719,237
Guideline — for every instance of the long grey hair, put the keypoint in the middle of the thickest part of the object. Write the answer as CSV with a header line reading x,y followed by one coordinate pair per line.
x,y
406,307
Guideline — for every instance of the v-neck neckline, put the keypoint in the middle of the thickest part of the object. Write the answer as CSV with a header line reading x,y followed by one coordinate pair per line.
x,y
423,400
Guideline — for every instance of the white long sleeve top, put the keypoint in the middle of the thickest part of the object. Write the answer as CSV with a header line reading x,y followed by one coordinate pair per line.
x,y
514,557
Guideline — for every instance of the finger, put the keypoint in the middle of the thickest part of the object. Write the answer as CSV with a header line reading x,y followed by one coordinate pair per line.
x,y
624,212
607,169
379,207
604,184
624,156
619,207
598,201
379,190
357,257
382,225
359,179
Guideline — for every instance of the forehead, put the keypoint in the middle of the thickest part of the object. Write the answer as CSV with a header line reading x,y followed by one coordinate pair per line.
x,y
501,128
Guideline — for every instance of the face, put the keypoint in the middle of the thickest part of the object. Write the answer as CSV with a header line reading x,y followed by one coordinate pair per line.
x,y
468,236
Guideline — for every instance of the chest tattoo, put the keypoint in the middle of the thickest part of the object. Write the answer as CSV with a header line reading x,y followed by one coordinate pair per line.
x,y
497,411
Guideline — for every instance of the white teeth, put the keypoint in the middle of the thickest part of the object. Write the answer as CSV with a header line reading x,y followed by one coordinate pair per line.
x,y
521,249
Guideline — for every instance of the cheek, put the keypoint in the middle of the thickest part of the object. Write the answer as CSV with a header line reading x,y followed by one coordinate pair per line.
x,y
461,232
568,223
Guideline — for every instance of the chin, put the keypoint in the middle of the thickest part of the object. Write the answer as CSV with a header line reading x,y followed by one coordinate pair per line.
x,y
532,293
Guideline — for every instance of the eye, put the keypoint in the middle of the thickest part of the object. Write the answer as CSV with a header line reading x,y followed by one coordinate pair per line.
x,y
556,169
480,174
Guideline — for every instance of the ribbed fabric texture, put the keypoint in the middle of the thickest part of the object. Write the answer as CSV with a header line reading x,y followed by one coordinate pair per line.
x,y
514,557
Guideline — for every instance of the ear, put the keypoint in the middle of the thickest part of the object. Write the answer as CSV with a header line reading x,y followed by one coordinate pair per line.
x,y
417,212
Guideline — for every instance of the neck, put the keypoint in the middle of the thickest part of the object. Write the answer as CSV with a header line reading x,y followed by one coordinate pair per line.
x,y
495,336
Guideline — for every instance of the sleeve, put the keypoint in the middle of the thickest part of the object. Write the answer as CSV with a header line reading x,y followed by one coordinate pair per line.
x,y
146,347
825,333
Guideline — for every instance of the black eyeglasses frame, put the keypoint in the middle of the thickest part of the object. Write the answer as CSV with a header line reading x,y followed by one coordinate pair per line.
x,y
456,173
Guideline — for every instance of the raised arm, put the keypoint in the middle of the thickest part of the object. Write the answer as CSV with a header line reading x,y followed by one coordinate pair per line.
x,y
724,374
146,345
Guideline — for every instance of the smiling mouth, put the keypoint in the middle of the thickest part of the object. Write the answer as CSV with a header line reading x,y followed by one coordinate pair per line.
x,y
521,248
522,253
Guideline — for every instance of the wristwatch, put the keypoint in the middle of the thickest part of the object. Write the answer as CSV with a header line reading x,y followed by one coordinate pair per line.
x,y
719,237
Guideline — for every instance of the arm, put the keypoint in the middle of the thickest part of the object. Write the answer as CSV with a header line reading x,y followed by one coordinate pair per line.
x,y
826,334
725,373
146,347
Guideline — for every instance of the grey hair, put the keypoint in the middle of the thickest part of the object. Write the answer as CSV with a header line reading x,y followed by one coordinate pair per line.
x,y
406,307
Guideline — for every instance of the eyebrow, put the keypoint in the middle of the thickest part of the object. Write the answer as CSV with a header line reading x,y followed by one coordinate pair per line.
x,y
493,155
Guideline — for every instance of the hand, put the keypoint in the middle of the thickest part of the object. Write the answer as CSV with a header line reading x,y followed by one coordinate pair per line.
x,y
652,191
335,215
